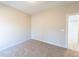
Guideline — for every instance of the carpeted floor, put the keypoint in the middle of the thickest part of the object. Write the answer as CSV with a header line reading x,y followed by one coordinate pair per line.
x,y
34,48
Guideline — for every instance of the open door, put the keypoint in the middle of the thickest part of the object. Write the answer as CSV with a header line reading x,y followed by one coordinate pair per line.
x,y
73,22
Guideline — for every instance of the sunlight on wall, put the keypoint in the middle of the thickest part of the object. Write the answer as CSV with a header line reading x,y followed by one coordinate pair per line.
x,y
14,27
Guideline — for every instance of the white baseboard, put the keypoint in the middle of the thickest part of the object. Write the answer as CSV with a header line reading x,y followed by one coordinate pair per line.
x,y
17,43
50,43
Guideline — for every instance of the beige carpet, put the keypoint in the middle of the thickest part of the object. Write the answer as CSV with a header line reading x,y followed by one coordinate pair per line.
x,y
34,48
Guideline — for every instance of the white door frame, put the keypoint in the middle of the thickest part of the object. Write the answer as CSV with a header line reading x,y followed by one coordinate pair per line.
x,y
67,27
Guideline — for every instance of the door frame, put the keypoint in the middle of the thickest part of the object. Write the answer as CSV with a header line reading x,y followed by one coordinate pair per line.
x,y
67,27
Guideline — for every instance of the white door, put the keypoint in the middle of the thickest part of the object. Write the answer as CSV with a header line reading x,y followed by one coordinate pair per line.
x,y
73,21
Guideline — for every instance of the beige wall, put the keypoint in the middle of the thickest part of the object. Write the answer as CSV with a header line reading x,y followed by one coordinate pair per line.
x,y
46,26
50,25
14,27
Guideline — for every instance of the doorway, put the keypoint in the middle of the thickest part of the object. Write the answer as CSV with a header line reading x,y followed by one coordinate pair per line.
x,y
73,21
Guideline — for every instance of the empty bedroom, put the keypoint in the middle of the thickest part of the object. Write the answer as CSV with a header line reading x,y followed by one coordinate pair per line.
x,y
39,28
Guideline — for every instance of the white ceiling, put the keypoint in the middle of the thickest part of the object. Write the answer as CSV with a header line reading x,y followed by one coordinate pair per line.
x,y
35,7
